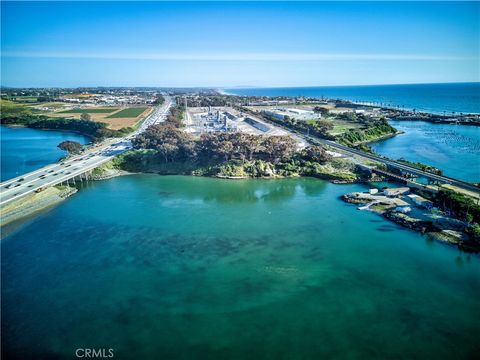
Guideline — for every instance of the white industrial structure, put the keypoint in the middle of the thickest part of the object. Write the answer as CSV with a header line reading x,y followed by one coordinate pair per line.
x,y
297,114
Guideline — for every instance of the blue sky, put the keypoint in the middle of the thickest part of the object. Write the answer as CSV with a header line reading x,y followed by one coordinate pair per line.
x,y
225,44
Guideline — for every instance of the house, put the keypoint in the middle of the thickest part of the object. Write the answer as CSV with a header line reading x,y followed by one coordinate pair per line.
x,y
420,201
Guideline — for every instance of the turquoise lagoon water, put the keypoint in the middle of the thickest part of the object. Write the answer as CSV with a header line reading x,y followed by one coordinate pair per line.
x,y
196,268
458,97
453,148
24,150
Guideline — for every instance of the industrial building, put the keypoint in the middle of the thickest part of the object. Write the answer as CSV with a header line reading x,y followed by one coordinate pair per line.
x,y
200,120
212,120
293,113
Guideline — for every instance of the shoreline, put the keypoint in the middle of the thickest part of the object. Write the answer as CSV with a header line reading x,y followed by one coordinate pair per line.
x,y
33,204
16,213
438,226
23,126
370,104
381,138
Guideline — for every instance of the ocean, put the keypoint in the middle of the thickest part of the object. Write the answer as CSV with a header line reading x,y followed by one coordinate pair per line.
x,y
435,98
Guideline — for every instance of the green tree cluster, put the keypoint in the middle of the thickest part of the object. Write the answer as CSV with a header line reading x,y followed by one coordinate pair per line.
x,y
73,147
173,144
159,100
375,130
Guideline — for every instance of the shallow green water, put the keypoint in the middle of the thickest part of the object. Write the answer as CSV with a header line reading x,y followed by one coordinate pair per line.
x,y
181,268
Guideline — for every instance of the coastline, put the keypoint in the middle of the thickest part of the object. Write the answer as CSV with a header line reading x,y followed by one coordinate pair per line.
x,y
33,204
22,209
20,126
352,94
430,222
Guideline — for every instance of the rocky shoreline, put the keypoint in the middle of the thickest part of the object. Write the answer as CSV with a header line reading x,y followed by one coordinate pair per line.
x,y
109,173
34,203
435,225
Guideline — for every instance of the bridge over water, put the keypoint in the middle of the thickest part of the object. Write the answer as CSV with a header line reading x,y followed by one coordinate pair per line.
x,y
403,168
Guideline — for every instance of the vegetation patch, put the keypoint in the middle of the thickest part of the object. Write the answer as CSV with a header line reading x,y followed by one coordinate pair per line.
x,y
166,149
376,130
89,111
18,114
128,113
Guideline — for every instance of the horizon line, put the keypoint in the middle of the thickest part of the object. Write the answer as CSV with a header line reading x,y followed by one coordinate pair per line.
x,y
232,86
253,56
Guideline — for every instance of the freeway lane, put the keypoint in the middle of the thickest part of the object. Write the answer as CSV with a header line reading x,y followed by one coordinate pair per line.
x,y
59,172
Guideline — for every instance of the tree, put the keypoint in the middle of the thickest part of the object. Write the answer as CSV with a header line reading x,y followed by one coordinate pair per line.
x,y
316,154
348,116
159,100
72,147
277,148
323,127
320,110
217,146
175,117
86,116
170,142
251,145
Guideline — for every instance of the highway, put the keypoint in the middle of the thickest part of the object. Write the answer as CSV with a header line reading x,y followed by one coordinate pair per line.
x,y
74,166
395,164
398,165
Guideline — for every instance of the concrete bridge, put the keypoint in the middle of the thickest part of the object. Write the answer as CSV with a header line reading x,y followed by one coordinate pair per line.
x,y
77,167
404,168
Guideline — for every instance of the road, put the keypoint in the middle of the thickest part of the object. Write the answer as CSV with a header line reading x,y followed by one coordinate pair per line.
x,y
57,173
395,164
409,169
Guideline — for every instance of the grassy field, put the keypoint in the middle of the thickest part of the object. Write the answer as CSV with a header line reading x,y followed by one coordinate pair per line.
x,y
52,105
11,108
21,99
90,111
128,113
127,117
339,126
